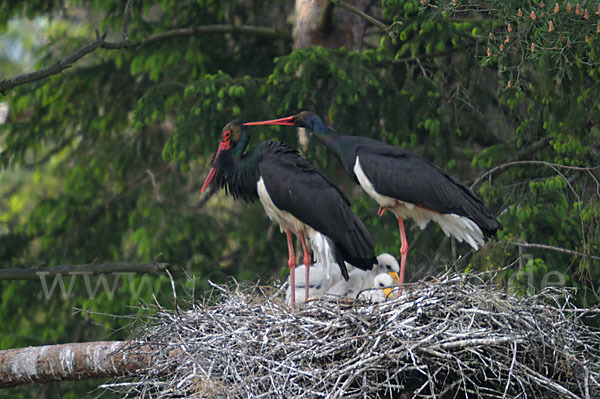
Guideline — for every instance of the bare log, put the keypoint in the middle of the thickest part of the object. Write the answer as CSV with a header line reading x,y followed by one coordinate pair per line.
x,y
92,269
71,362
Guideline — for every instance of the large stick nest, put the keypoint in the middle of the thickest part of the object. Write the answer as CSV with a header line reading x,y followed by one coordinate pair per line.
x,y
445,339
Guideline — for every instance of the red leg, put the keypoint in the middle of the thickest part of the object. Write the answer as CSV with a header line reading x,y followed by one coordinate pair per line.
x,y
307,261
292,265
381,211
403,252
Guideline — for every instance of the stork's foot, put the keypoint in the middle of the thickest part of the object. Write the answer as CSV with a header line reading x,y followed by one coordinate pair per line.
x,y
311,299
344,300
397,293
292,266
382,210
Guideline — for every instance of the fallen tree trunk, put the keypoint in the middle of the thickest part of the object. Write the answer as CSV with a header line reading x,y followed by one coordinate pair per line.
x,y
76,361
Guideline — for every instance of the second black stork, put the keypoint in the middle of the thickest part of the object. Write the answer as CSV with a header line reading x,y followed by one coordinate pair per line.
x,y
404,183
294,194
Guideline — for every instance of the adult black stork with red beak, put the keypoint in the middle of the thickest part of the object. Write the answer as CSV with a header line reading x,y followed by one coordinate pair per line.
x,y
294,194
405,183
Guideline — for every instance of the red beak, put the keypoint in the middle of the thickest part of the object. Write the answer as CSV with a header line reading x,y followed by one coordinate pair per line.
x,y
288,121
213,171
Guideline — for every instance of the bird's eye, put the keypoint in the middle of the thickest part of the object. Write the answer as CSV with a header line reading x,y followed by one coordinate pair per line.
x,y
319,286
226,134
389,267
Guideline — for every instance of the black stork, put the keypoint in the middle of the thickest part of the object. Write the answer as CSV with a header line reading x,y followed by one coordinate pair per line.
x,y
294,194
405,183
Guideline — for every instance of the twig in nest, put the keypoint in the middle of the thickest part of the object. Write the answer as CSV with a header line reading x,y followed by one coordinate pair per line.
x,y
459,337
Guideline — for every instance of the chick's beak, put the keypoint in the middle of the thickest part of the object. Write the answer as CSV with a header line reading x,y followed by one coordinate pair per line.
x,y
395,276
388,292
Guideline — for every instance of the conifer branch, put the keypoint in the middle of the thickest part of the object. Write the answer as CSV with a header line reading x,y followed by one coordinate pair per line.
x,y
100,42
34,273
200,30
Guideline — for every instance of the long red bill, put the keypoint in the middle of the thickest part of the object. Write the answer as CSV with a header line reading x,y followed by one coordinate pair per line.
x,y
213,171
209,178
287,121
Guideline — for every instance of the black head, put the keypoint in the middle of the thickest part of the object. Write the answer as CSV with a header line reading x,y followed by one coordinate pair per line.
x,y
232,134
306,119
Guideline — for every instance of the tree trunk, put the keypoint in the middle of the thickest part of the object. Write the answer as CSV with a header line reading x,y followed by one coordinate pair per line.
x,y
77,361
319,22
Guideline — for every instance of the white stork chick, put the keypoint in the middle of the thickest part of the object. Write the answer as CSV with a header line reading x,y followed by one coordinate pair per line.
x,y
350,288
318,284
327,279
387,263
382,288
363,279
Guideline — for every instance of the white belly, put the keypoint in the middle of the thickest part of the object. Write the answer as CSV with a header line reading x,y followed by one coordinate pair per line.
x,y
462,228
366,184
286,220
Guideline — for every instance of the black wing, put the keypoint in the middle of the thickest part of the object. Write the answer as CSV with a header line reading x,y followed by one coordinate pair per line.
x,y
400,174
298,188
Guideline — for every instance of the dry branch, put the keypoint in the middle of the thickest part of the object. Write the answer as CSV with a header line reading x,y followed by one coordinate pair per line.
x,y
54,69
497,169
126,16
76,361
553,248
88,269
